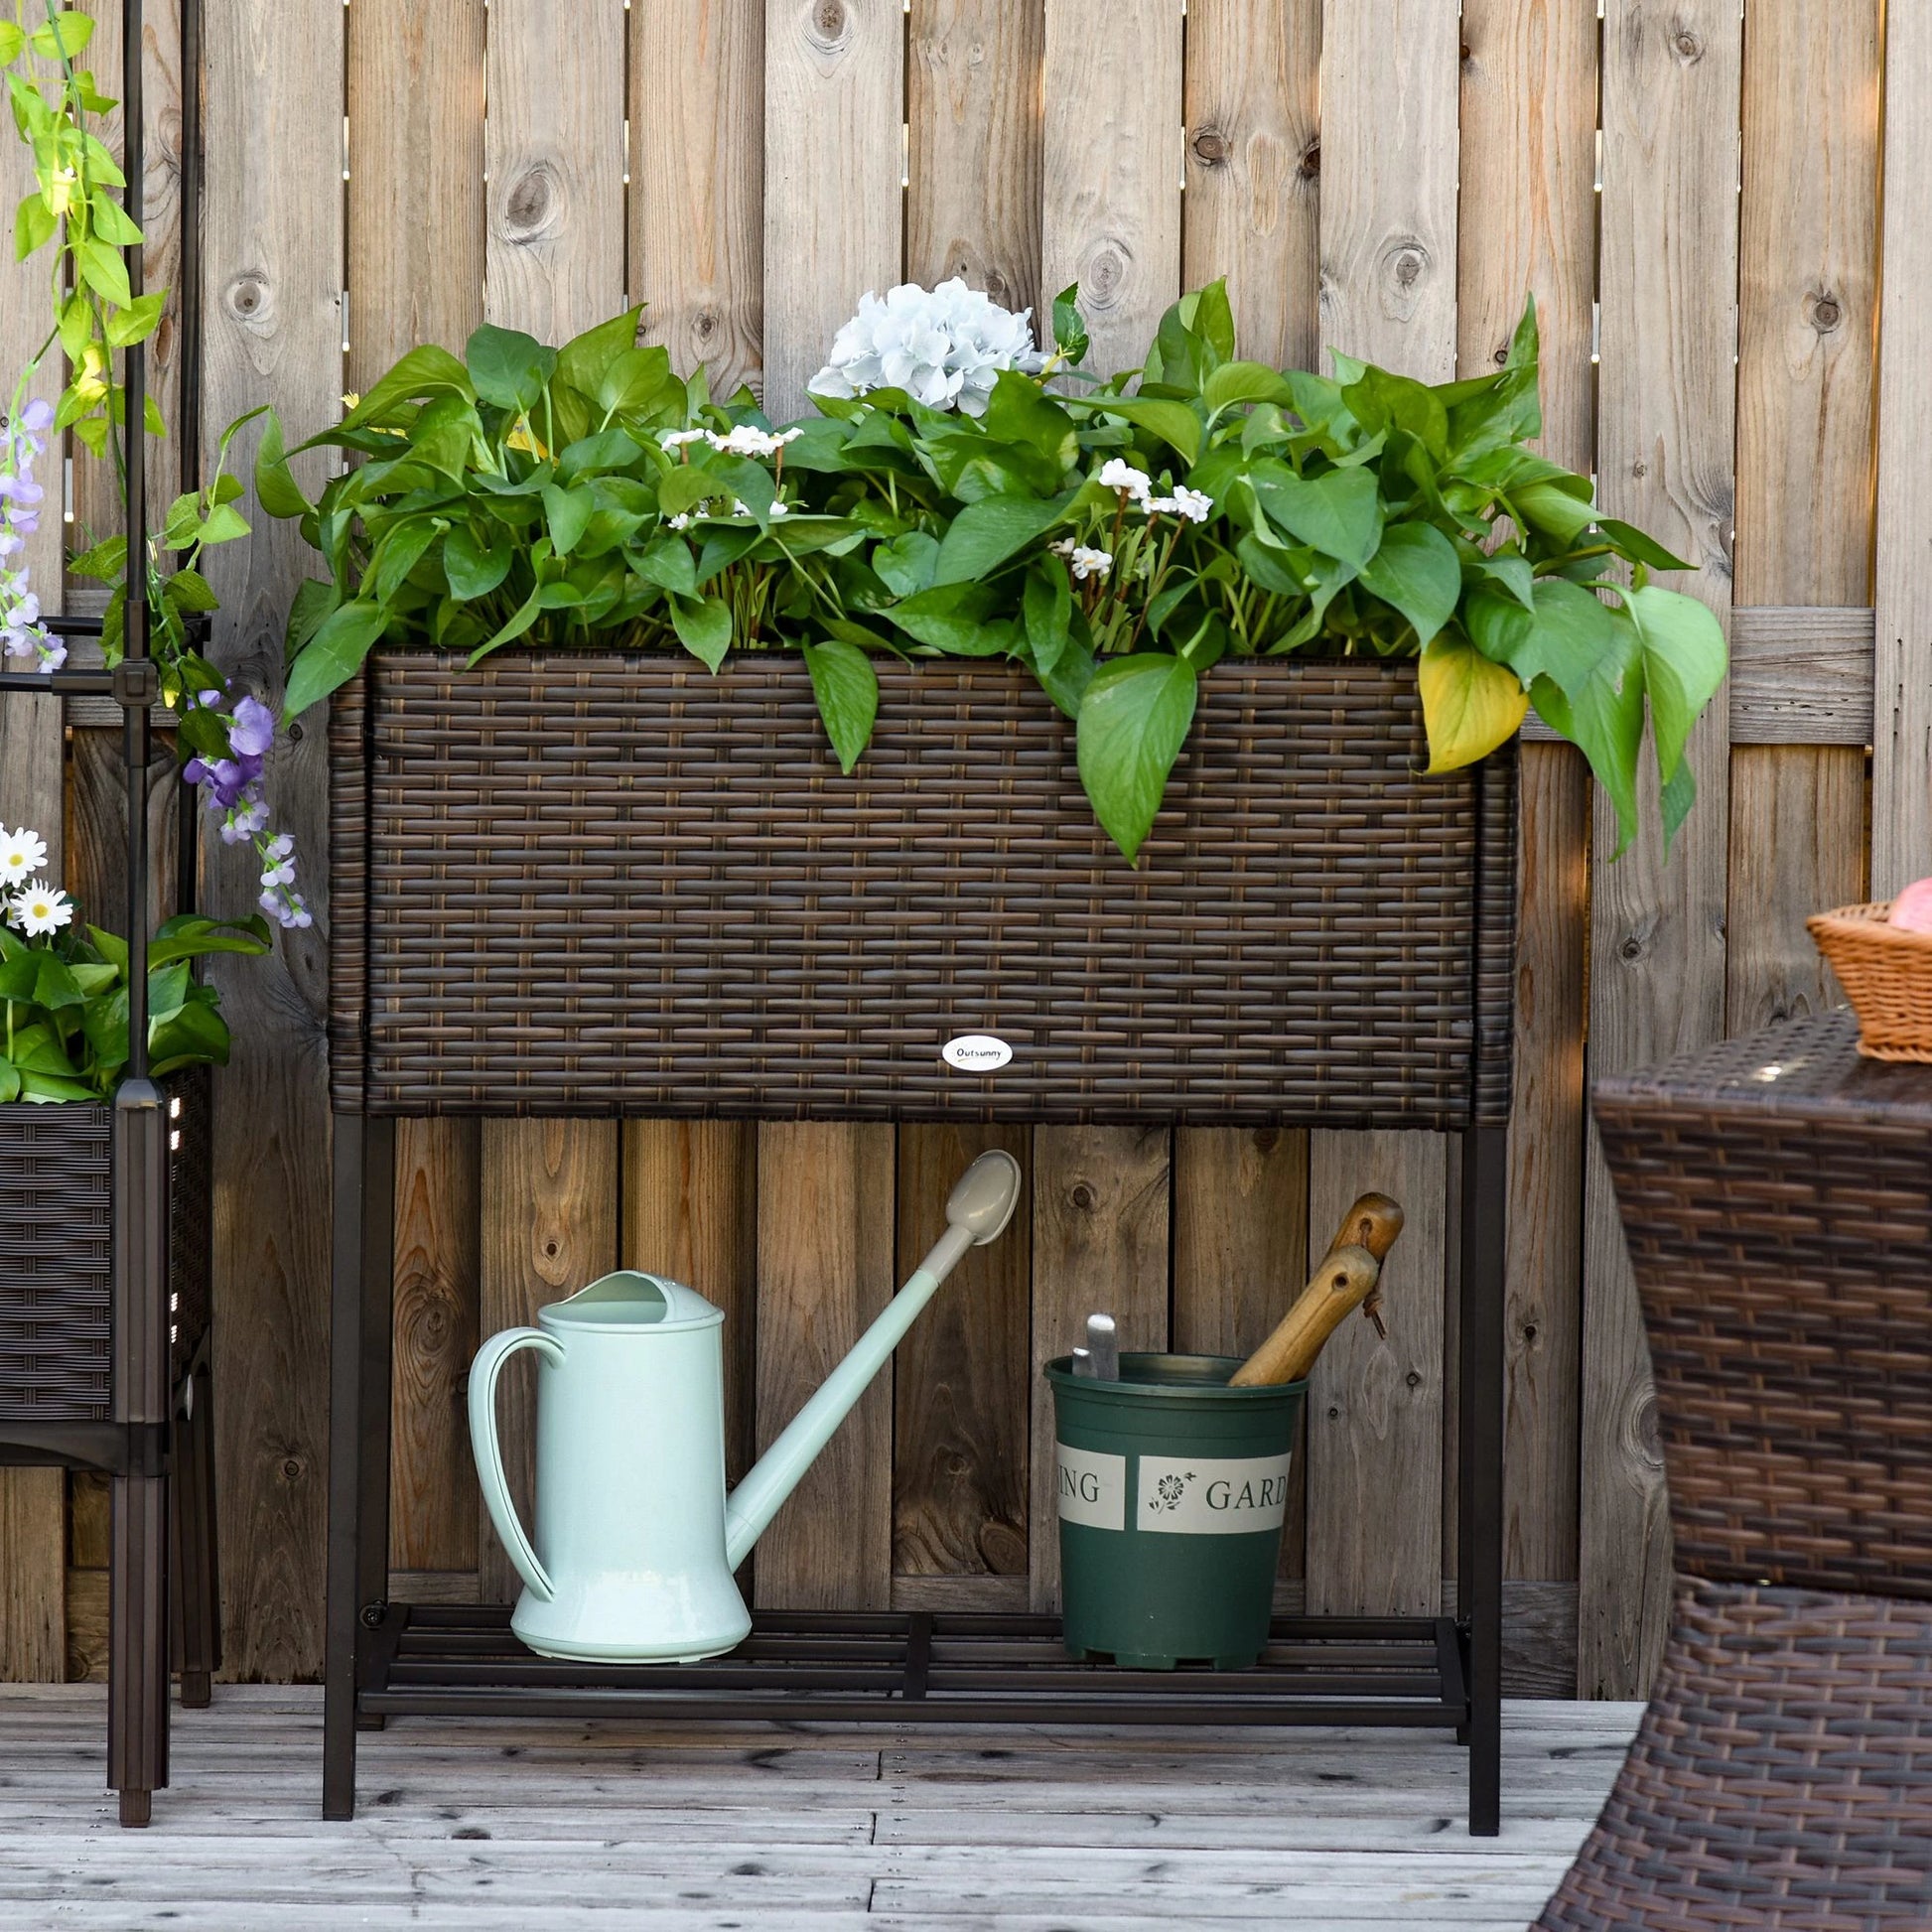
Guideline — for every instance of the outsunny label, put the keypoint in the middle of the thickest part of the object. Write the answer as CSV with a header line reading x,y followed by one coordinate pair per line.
x,y
976,1053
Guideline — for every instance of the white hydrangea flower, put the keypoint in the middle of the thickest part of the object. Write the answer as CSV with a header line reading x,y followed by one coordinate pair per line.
x,y
41,908
944,346
1118,473
22,854
1090,563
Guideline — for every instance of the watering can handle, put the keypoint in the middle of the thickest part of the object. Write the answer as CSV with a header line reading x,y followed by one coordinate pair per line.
x,y
489,1451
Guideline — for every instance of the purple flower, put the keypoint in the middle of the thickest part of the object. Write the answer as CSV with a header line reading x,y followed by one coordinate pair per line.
x,y
228,779
38,417
253,729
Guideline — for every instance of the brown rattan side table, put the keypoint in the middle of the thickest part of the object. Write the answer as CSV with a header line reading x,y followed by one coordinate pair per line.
x,y
1776,1194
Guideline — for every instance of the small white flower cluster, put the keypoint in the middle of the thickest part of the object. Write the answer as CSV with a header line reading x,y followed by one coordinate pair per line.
x,y
22,633
683,520
1195,505
32,905
744,438
943,347
1085,562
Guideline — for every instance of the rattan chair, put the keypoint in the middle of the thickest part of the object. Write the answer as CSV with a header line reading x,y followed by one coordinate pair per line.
x,y
1776,1193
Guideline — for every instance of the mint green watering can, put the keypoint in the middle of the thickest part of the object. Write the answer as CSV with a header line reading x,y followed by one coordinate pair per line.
x,y
635,1540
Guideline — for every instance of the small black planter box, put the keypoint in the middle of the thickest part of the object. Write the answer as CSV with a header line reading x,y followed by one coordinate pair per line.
x,y
57,1343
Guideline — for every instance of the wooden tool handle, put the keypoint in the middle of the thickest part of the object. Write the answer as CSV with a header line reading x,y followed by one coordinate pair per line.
x,y
1342,1283
1372,1224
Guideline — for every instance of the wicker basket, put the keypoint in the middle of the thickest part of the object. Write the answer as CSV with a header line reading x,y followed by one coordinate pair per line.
x,y
57,1341
587,882
1886,972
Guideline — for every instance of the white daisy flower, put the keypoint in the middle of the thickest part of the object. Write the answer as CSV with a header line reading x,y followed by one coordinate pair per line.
x,y
1092,563
41,908
22,854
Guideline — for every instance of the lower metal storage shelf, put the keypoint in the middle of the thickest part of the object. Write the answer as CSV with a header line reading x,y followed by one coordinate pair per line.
x,y
903,1667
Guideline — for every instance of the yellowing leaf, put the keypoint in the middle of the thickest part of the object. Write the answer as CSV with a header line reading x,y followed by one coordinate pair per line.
x,y
1469,705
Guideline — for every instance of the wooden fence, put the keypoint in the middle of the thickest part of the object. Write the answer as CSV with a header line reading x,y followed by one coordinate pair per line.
x,y
1692,194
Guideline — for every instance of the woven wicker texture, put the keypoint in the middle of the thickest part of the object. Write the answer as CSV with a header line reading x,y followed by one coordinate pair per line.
x,y
56,1333
1888,976
1776,1194
1781,1779
57,1283
580,883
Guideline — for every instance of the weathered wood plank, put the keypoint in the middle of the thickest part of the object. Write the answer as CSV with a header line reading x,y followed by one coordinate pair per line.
x,y
1240,1256
825,1263
1112,174
972,167
438,1270
554,151
690,1211
961,1393
1801,674
1253,170
1665,409
1528,220
33,1502
95,832
1543,1318
549,1228
1375,1408
416,195
1389,76
1901,746
834,101
697,184
272,304
415,176
1388,228
1101,1211
33,1576
1807,289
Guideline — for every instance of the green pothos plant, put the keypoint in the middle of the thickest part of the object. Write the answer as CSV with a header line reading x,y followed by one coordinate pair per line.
x,y
961,493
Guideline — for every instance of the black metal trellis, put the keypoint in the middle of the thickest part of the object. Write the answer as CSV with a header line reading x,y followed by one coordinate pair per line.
x,y
137,1447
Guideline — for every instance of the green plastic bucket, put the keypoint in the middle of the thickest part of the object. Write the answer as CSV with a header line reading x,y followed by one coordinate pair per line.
x,y
1171,1490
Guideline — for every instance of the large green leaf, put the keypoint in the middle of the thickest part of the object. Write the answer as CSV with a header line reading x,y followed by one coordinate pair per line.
x,y
1605,719
1416,569
1338,512
704,628
279,494
427,372
471,569
1564,638
333,654
1134,721
1175,423
586,360
1684,663
847,689
985,534
1047,608
508,367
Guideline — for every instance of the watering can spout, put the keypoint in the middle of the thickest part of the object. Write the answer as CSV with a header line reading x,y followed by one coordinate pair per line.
x,y
977,1212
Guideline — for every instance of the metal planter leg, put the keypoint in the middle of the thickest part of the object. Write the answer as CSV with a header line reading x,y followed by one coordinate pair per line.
x,y
1485,1180
137,1693
358,1442
196,1602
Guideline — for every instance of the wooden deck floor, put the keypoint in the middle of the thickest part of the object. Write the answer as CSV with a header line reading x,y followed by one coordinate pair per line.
x,y
553,1824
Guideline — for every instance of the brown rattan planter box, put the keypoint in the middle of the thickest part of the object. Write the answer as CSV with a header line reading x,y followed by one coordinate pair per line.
x,y
57,1339
584,883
